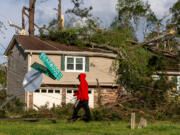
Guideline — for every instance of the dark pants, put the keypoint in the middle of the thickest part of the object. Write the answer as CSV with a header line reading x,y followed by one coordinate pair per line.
x,y
84,105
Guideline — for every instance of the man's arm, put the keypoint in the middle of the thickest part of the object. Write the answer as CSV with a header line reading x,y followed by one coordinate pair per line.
x,y
79,91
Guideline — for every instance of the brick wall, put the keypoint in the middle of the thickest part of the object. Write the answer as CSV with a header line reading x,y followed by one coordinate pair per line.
x,y
108,95
63,96
31,100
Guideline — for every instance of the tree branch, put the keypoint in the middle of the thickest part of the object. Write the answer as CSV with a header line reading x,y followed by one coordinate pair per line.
x,y
24,13
133,41
149,41
37,26
26,8
113,49
123,55
165,53
13,25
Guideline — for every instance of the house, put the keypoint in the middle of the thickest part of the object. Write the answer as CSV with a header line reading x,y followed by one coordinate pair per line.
x,y
23,51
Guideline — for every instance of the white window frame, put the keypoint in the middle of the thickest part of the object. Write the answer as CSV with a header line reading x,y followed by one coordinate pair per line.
x,y
178,83
47,89
74,57
155,77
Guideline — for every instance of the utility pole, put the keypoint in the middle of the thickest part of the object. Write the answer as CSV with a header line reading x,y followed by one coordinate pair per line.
x,y
60,21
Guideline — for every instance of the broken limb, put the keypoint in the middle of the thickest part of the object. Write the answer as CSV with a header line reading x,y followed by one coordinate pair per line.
x,y
13,25
24,13
150,41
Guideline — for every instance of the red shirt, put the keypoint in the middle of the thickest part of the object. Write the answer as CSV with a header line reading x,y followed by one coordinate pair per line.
x,y
82,93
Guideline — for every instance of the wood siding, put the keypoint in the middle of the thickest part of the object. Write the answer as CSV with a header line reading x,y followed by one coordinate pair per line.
x,y
99,69
17,68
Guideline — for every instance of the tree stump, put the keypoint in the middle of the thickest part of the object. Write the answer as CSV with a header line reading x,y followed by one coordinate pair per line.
x,y
133,120
142,123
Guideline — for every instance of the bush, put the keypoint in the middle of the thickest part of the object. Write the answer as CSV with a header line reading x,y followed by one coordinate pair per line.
x,y
2,114
15,106
61,112
98,115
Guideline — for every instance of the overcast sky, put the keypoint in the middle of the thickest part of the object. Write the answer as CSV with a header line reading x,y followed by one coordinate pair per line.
x,y
104,9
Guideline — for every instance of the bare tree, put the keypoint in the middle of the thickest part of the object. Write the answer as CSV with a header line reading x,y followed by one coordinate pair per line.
x,y
30,16
60,21
29,13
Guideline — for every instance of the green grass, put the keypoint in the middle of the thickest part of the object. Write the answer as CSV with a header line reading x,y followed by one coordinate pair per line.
x,y
46,127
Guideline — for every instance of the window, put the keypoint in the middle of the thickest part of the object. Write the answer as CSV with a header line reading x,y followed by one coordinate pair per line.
x,y
69,91
74,64
57,91
89,92
43,91
37,91
50,91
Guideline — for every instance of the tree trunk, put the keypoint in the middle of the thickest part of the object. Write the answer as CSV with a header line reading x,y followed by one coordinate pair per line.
x,y
60,25
150,41
31,17
23,20
99,94
24,9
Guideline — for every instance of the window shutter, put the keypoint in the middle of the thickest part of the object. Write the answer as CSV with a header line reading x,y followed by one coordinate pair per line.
x,y
87,64
62,63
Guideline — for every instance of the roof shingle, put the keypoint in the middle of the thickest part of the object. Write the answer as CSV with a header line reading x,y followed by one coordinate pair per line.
x,y
35,43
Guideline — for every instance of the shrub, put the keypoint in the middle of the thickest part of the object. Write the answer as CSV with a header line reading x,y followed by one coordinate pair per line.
x,y
2,114
15,106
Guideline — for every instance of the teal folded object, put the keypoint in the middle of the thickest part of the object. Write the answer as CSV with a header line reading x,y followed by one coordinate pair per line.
x,y
50,66
43,70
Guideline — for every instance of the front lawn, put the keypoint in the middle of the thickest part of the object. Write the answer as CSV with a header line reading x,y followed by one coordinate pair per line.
x,y
47,127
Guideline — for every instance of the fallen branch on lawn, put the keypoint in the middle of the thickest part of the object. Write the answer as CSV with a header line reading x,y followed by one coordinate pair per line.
x,y
127,100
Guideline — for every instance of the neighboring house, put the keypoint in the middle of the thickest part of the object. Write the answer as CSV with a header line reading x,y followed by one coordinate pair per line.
x,y
23,51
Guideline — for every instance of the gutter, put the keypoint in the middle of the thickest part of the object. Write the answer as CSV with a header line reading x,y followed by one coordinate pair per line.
x,y
175,73
73,53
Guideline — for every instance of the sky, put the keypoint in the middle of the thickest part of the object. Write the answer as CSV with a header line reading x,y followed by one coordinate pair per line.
x,y
104,9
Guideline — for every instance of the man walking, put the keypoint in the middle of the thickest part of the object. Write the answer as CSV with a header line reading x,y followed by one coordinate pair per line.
x,y
82,99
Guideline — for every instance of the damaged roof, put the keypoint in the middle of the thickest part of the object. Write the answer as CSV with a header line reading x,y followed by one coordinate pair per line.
x,y
36,44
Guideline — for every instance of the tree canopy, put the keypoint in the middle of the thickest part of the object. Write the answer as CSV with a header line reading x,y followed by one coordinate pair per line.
x,y
175,10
